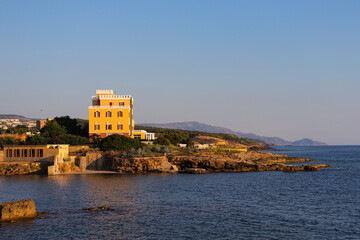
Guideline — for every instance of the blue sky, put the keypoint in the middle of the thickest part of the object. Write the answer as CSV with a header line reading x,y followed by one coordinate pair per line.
x,y
275,68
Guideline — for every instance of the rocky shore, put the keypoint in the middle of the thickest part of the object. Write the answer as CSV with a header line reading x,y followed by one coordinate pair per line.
x,y
23,168
210,162
200,162
243,162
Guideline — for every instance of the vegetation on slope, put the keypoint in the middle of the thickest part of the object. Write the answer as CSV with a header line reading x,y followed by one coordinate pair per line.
x,y
74,126
167,136
119,142
54,133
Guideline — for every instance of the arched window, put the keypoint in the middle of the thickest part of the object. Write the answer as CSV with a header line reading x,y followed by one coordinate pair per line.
x,y
96,114
108,113
120,126
108,126
120,113
97,126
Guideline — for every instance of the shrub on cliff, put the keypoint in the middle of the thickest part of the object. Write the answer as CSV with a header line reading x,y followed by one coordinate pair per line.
x,y
9,140
161,140
74,126
119,142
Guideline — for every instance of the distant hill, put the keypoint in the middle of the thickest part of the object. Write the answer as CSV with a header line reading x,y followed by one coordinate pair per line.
x,y
196,126
15,116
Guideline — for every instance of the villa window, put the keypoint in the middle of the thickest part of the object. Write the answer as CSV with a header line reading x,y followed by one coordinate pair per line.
x,y
108,126
110,103
41,152
25,153
97,126
120,113
32,152
97,114
108,113
120,126
122,104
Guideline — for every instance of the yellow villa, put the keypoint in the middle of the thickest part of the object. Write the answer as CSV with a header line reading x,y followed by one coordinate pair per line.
x,y
113,114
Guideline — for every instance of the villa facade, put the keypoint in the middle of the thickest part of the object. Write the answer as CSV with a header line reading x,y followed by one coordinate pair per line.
x,y
113,114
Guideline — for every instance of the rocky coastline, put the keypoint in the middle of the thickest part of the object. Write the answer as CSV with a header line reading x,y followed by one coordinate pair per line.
x,y
23,168
200,162
210,162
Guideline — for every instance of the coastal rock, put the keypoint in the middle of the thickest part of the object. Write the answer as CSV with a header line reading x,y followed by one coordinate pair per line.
x,y
241,162
174,168
140,164
16,210
23,168
98,208
194,170
209,161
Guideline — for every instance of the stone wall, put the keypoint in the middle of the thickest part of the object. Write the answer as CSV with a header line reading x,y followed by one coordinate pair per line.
x,y
94,161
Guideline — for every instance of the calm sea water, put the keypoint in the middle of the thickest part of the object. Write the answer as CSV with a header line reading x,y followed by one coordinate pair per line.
x,y
257,205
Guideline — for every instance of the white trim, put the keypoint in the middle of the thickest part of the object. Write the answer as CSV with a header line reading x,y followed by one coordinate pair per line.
x,y
104,92
107,107
103,97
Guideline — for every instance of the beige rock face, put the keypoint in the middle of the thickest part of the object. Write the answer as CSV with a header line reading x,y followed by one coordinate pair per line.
x,y
140,164
209,162
241,162
17,210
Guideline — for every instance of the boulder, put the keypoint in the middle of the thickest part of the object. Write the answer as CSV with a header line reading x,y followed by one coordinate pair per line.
x,y
174,168
98,208
17,210
194,170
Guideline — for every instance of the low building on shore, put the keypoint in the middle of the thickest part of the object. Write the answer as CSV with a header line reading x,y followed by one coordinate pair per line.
x,y
46,153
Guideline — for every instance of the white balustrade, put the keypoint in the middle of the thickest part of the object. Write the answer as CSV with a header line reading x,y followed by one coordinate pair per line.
x,y
109,107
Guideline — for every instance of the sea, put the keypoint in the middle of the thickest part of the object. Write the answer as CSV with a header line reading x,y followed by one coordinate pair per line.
x,y
250,205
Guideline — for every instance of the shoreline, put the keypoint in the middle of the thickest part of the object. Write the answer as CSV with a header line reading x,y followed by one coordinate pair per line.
x,y
200,162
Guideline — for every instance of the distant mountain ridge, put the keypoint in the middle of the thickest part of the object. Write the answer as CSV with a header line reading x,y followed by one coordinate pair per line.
x,y
197,126
16,116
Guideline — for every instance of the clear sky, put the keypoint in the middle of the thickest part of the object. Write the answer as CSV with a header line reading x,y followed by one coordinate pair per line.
x,y
275,68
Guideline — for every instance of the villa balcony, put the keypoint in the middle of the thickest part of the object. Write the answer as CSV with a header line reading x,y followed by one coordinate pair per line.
x,y
109,107
107,97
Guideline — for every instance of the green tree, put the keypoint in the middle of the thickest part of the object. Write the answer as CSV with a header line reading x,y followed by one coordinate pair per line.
x,y
119,142
74,140
162,140
73,126
9,140
53,132
95,138
37,139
